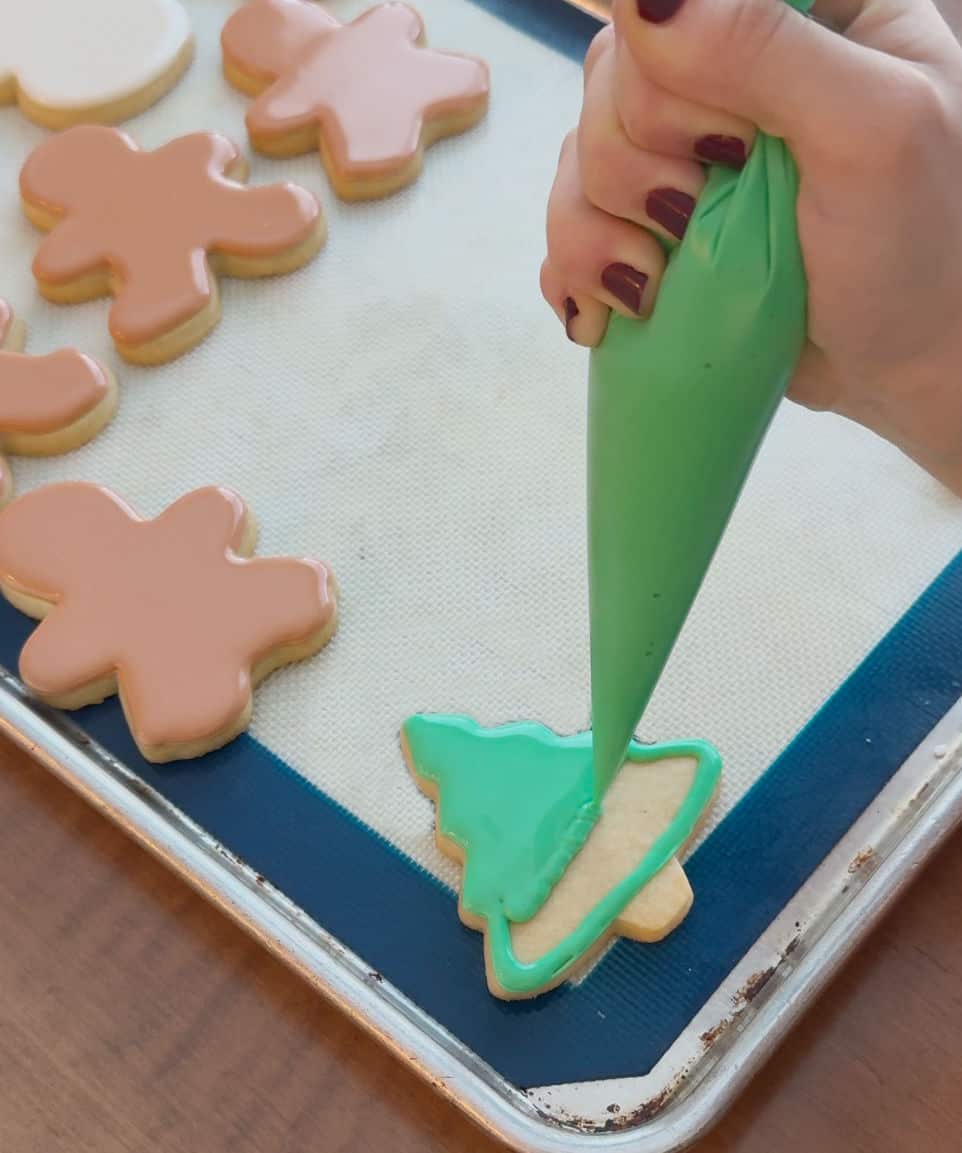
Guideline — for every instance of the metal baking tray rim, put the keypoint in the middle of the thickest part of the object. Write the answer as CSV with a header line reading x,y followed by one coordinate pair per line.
x,y
418,1040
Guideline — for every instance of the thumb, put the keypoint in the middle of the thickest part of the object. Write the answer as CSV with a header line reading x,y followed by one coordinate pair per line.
x,y
757,59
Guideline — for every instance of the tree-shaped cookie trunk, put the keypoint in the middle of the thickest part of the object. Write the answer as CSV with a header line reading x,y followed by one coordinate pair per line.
x,y
549,875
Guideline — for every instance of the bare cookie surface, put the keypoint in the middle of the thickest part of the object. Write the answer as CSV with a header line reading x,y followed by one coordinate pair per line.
x,y
173,613
67,61
368,93
154,229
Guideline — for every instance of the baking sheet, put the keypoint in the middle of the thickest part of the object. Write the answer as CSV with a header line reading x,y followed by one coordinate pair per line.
x,y
407,409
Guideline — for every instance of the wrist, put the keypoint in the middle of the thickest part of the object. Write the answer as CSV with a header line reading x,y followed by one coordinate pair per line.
x,y
918,408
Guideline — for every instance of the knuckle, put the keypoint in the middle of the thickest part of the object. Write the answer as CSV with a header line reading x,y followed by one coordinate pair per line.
x,y
639,108
598,165
735,37
568,145
559,232
561,247
917,118
749,27
745,32
724,40
547,283
595,186
599,43
698,57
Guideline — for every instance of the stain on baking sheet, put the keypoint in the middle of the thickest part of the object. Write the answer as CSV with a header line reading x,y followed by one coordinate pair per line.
x,y
711,1036
754,985
860,860
620,1119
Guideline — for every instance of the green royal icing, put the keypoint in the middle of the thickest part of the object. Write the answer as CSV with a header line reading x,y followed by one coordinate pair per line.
x,y
519,802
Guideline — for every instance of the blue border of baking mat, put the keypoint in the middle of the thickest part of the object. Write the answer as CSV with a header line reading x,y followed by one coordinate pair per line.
x,y
639,999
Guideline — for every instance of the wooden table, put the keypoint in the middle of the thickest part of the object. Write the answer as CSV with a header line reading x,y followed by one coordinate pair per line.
x,y
136,1019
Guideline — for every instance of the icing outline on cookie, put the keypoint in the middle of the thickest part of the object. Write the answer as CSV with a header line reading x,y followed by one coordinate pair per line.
x,y
515,805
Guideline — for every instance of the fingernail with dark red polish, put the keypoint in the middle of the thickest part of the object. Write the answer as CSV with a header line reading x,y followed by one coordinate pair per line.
x,y
728,150
671,208
571,311
625,283
657,11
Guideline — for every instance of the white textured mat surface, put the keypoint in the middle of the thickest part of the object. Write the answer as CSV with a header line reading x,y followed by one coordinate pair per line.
x,y
407,408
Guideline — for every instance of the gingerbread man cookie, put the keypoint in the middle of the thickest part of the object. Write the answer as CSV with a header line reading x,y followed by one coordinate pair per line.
x,y
67,61
171,612
154,228
369,93
48,404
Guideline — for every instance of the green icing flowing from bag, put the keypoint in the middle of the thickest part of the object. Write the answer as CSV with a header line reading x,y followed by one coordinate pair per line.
x,y
677,408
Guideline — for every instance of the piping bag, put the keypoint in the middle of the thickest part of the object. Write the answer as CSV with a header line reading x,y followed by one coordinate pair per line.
x,y
678,406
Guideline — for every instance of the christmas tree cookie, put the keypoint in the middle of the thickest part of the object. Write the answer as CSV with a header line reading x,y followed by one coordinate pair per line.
x,y
551,874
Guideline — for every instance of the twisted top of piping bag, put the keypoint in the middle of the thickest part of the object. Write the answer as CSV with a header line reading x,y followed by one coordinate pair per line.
x,y
678,406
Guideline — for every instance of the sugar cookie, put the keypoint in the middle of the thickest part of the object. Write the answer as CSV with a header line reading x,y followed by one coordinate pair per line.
x,y
550,875
48,404
369,94
154,229
71,61
171,613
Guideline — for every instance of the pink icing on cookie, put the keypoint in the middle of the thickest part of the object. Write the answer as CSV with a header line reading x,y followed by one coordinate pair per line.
x,y
368,86
6,481
44,394
170,607
152,219
49,403
265,37
6,321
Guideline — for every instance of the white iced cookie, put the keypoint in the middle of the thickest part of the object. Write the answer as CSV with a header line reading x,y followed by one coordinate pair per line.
x,y
66,61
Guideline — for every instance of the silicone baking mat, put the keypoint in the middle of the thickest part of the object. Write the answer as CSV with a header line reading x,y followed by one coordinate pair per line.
x,y
406,408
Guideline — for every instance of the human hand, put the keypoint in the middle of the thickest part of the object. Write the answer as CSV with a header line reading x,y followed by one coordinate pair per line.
x,y
873,116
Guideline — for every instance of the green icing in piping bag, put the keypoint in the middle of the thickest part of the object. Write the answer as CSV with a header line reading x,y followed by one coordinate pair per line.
x,y
518,801
677,408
